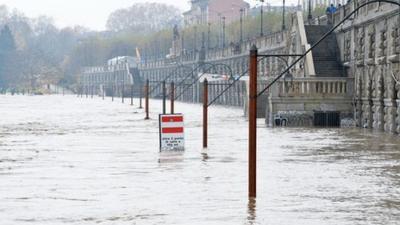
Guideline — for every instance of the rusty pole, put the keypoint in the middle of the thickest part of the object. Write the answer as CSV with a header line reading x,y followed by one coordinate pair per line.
x,y
253,123
132,94
205,113
147,99
172,97
164,98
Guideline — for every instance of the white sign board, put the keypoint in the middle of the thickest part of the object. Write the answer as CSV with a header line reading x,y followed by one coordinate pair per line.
x,y
171,132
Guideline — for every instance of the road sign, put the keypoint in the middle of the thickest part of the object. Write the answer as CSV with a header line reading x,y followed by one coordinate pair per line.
x,y
171,132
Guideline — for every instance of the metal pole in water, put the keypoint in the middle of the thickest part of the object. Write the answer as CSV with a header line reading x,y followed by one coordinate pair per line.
x,y
122,92
104,91
140,97
91,91
147,100
164,101
205,113
253,123
112,92
172,97
132,94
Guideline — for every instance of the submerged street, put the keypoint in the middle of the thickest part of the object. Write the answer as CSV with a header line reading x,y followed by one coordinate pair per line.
x,y
69,160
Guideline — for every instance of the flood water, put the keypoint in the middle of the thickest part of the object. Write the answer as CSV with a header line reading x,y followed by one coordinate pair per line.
x,y
69,160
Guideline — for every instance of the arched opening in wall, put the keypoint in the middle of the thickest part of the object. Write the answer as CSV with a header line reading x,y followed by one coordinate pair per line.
x,y
326,119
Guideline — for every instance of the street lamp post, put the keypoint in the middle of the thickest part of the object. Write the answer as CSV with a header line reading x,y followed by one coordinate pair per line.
x,y
195,38
309,17
262,22
208,35
283,16
241,25
223,31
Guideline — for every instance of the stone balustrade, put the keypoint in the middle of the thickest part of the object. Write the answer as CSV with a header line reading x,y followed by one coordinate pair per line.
x,y
315,87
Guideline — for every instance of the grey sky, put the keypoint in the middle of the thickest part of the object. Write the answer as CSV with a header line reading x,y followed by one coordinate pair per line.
x,y
89,13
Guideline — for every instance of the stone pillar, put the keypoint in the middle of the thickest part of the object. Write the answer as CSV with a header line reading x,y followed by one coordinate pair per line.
x,y
378,103
367,102
359,96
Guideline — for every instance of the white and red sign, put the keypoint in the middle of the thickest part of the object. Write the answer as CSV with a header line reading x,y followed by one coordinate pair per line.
x,y
172,136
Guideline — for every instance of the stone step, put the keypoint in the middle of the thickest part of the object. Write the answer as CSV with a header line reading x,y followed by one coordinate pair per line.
x,y
325,55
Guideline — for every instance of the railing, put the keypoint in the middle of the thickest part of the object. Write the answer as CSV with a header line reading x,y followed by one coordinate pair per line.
x,y
265,42
301,87
365,12
270,41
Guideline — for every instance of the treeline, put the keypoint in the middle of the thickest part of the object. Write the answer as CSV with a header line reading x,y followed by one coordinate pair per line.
x,y
33,51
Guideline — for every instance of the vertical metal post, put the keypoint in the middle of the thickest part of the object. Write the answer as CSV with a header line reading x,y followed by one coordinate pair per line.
x,y
112,92
122,91
140,96
205,113
223,31
283,16
208,35
253,123
309,17
147,99
172,97
132,94
195,39
241,25
164,98
87,91
262,18
104,90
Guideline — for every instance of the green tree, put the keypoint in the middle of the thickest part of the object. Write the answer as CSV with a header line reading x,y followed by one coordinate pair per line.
x,y
144,18
7,55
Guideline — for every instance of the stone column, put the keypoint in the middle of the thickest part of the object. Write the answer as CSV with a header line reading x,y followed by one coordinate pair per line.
x,y
367,102
378,103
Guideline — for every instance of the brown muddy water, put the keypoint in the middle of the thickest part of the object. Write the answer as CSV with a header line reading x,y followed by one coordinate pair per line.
x,y
67,160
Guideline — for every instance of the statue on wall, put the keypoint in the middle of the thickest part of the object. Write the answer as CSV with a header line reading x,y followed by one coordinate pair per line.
x,y
383,44
176,33
360,46
371,44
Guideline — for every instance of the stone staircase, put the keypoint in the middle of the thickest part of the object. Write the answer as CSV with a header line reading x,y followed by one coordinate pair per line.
x,y
326,55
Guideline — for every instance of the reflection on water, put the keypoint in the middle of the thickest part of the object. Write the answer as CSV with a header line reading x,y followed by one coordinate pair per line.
x,y
251,210
66,160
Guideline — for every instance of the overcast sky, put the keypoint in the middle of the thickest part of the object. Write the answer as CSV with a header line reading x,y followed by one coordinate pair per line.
x,y
88,13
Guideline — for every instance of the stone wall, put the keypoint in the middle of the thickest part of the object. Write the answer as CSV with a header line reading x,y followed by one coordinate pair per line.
x,y
370,49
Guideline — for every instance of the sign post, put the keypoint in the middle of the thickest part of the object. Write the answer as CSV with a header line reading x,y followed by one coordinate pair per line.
x,y
172,136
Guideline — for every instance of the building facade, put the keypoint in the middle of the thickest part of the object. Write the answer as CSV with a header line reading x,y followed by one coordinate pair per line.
x,y
213,11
